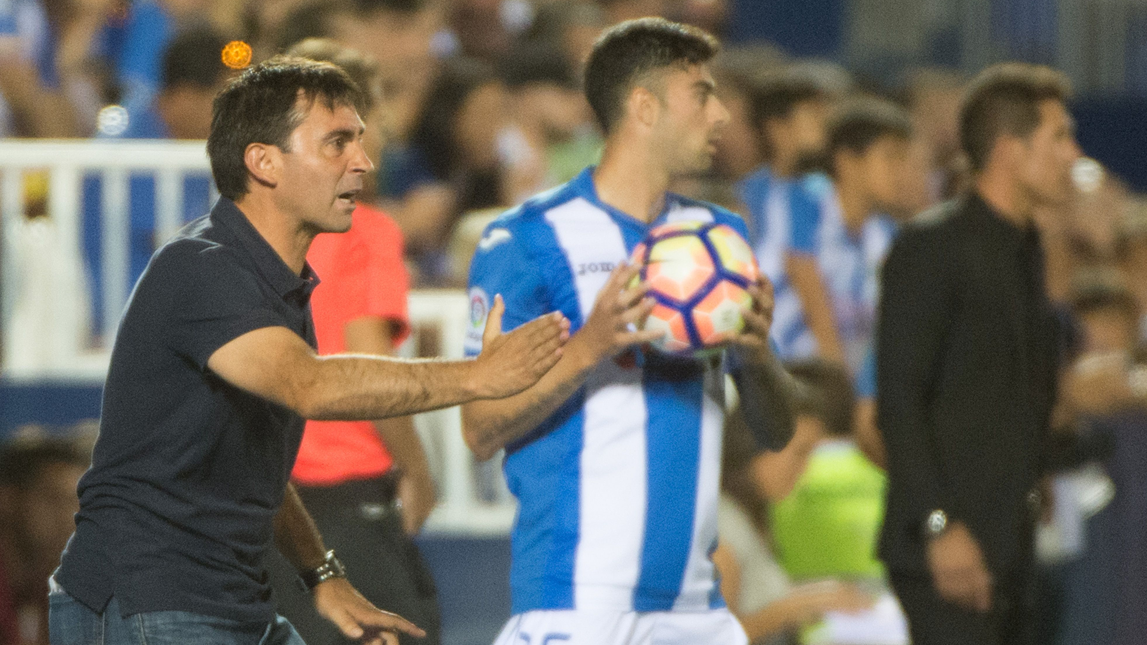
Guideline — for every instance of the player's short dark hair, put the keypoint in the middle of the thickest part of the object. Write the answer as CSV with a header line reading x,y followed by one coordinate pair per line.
x,y
627,52
858,124
1003,100
833,400
193,58
361,68
22,460
262,105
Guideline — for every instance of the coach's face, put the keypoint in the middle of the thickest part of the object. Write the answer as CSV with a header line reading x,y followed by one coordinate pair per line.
x,y
322,169
1049,154
691,119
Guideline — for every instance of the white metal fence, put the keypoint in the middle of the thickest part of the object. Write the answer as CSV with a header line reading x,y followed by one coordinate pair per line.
x,y
45,306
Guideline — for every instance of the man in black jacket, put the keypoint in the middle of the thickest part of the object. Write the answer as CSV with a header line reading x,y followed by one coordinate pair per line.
x,y
967,369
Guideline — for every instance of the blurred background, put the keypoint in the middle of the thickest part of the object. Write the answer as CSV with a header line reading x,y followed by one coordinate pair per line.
x,y
104,105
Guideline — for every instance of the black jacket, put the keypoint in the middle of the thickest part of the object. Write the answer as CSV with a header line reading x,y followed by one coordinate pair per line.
x,y
966,364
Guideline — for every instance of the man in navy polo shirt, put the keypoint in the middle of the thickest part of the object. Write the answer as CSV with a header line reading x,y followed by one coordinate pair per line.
x,y
213,372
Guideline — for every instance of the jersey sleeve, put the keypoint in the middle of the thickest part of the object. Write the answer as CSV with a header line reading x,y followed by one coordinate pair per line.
x,y
804,213
502,265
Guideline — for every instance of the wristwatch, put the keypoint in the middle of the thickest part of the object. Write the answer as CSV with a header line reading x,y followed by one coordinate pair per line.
x,y
330,568
935,524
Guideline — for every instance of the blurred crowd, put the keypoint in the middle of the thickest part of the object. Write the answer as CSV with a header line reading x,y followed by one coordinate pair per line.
x,y
480,107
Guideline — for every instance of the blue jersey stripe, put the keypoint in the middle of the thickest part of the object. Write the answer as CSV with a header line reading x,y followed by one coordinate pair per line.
x,y
673,453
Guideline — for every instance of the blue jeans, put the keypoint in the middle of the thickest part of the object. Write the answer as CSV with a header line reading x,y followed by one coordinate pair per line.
x,y
71,623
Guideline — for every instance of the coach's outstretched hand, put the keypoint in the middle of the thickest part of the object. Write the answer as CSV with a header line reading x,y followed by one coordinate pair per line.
x,y
339,602
512,362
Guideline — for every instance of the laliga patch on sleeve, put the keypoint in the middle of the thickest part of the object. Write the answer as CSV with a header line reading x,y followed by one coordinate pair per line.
x,y
479,311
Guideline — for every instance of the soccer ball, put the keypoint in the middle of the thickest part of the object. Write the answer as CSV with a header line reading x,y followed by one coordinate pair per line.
x,y
698,273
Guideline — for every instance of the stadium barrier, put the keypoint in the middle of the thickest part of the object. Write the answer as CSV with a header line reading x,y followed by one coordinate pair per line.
x,y
50,333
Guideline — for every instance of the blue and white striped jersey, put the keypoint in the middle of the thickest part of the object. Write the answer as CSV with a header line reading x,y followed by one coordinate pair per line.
x,y
804,217
617,489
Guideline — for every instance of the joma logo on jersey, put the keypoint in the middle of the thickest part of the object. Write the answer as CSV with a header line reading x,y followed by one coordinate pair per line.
x,y
595,267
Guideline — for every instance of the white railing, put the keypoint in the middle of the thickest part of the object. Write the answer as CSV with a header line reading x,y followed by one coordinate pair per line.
x,y
45,314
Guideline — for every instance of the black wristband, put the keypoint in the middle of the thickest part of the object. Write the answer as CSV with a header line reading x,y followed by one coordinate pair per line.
x,y
330,568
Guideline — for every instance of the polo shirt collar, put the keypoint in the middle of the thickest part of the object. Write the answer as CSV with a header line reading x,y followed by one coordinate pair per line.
x,y
267,262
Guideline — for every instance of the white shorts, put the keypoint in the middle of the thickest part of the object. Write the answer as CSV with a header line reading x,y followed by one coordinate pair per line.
x,y
598,627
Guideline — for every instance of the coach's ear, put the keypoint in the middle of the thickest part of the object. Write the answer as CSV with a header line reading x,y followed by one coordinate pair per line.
x,y
263,162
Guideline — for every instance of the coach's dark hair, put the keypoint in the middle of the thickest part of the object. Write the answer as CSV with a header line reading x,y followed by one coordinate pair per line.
x,y
630,50
856,125
262,106
1004,100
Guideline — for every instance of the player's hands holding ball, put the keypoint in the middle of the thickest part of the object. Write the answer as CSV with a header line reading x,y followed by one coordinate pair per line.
x,y
512,362
355,616
754,338
613,325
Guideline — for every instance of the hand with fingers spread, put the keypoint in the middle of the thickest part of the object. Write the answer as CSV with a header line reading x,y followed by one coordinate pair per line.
x,y
754,339
339,602
958,569
512,362
618,313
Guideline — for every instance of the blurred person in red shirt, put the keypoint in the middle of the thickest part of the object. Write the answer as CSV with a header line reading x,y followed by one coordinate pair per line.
x,y
368,483
38,478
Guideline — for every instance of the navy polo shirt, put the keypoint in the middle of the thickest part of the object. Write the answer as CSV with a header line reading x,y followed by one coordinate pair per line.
x,y
189,471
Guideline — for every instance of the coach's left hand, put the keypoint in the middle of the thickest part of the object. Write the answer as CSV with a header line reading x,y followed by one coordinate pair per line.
x,y
754,339
339,602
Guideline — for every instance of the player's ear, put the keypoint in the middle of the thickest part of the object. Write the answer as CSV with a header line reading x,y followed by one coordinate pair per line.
x,y
264,162
644,106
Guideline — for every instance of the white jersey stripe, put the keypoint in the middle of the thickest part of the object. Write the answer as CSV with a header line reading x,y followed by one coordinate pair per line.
x,y
612,492
697,585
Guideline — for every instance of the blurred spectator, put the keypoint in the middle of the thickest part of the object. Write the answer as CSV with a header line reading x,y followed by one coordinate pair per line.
x,y
968,357
400,35
827,526
933,99
191,74
737,71
552,136
619,10
758,591
1104,585
367,485
451,165
38,478
49,74
571,26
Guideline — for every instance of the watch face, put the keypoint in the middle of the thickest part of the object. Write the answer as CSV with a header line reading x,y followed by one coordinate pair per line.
x,y
937,522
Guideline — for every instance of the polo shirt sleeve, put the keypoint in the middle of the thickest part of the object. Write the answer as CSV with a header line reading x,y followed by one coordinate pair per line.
x,y
214,301
501,265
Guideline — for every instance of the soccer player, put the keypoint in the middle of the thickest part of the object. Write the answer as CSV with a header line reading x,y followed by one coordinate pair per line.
x,y
614,456
212,374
